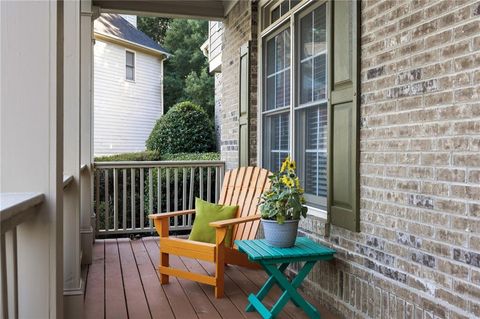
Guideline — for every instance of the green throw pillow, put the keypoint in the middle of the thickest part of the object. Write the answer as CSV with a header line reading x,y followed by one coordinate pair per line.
x,y
205,213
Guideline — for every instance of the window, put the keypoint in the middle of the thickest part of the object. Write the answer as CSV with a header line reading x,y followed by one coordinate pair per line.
x,y
308,113
281,9
130,65
276,111
311,108
307,110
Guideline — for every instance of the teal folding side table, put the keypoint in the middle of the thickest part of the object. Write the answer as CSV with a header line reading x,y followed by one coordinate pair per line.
x,y
274,261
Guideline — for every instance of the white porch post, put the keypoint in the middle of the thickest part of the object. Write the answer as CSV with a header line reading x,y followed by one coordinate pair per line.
x,y
73,284
31,155
86,138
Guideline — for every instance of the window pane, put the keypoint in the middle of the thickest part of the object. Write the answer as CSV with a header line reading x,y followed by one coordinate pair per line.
x,y
276,138
270,97
313,61
275,14
277,84
130,58
285,7
311,137
319,29
320,77
280,90
280,52
306,37
271,56
130,73
306,81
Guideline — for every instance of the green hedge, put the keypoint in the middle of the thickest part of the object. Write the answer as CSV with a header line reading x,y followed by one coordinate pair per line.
x,y
185,128
153,156
135,156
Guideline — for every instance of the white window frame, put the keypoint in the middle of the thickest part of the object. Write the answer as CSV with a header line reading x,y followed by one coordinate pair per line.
x,y
134,66
264,31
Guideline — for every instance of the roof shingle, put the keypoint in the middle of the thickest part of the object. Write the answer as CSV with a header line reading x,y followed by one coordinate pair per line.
x,y
117,26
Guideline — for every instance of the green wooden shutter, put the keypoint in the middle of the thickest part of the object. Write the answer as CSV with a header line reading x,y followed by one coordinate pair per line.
x,y
343,146
244,103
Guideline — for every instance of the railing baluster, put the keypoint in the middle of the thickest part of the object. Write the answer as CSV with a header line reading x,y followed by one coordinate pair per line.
x,y
3,265
115,199
175,192
201,183
124,200
150,195
209,184
190,202
216,184
97,198
159,190
142,198
107,202
184,195
12,265
167,186
132,197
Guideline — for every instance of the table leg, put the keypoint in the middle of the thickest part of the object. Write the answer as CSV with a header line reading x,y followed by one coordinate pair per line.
x,y
290,290
267,286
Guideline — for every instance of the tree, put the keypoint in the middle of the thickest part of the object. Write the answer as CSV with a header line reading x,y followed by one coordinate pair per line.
x,y
186,76
186,128
196,87
154,27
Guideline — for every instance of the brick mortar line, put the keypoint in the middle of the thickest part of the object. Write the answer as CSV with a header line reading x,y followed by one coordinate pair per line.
x,y
410,13
395,283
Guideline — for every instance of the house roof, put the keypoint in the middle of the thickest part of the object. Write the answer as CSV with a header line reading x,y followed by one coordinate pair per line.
x,y
114,25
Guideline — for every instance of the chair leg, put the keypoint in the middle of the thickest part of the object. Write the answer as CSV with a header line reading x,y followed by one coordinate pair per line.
x,y
164,262
219,289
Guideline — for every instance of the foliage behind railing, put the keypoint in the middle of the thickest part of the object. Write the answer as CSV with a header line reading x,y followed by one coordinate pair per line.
x,y
158,186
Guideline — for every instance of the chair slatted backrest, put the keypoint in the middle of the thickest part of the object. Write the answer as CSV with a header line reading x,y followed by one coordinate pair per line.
x,y
243,187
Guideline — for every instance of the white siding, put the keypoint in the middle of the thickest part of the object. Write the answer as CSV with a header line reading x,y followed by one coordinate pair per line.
x,y
215,35
125,111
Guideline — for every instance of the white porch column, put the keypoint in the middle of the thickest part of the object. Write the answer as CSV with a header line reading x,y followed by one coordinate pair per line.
x,y
86,138
72,281
31,154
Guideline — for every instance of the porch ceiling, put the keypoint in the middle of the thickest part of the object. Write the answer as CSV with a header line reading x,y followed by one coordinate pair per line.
x,y
199,9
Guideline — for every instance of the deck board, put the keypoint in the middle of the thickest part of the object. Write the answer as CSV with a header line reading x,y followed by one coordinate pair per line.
x,y
95,288
123,282
115,305
134,293
156,297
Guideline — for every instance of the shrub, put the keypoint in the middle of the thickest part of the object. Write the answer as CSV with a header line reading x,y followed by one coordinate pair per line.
x,y
185,128
135,156
191,157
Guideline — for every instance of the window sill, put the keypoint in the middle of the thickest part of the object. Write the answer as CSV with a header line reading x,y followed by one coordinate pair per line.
x,y
317,212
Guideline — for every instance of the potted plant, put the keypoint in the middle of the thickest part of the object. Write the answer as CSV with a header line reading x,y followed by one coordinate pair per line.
x,y
282,206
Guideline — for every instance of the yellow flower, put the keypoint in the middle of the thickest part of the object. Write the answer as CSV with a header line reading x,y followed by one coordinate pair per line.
x,y
291,165
284,167
297,182
285,164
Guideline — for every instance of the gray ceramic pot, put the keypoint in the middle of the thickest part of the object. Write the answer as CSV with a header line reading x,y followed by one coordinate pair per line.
x,y
280,235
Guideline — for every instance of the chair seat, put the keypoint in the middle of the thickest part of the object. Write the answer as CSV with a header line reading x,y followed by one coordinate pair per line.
x,y
188,248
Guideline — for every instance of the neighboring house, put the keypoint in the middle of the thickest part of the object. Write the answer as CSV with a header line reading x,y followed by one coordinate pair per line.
x,y
212,49
128,90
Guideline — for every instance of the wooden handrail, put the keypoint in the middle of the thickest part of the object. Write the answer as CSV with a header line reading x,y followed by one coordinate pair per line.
x,y
13,207
162,164
67,179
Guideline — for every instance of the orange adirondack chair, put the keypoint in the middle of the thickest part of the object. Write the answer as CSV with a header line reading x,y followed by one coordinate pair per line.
x,y
242,186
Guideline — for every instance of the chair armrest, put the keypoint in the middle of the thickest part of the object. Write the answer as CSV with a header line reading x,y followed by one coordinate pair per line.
x,y
172,214
234,221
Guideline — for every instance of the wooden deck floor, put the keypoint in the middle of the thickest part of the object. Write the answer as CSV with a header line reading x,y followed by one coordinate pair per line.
x,y
122,282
